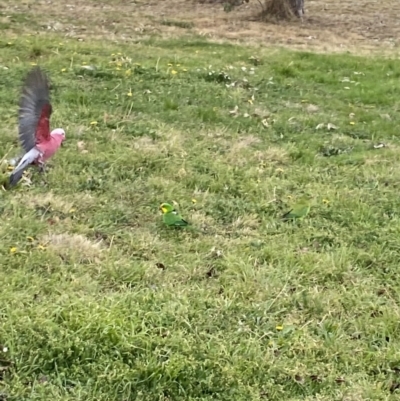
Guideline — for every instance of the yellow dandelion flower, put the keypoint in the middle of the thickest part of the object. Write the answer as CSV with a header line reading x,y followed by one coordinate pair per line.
x,y
129,93
9,43
194,200
72,210
10,168
61,44
352,122
173,72
63,69
279,328
93,123
13,249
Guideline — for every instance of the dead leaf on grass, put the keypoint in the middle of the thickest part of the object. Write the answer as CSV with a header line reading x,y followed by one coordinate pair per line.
x,y
234,112
312,108
331,126
81,147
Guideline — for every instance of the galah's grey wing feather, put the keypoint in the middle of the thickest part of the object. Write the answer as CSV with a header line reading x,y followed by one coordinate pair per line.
x,y
35,94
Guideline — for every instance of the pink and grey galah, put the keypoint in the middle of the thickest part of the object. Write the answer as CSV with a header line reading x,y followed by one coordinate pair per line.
x,y
35,110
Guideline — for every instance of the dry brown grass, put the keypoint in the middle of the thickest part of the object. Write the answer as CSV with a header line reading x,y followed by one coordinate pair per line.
x,y
74,247
358,26
54,202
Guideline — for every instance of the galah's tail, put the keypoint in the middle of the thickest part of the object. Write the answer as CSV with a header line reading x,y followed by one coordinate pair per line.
x,y
28,159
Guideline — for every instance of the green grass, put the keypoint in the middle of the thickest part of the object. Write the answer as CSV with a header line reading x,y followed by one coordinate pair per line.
x,y
99,301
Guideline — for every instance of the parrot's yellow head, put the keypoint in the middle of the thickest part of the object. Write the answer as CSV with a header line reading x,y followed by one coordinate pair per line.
x,y
166,208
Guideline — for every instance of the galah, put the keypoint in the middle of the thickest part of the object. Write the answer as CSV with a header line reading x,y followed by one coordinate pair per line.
x,y
35,110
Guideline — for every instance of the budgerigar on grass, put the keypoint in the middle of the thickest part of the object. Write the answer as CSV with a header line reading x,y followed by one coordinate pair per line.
x,y
171,217
299,210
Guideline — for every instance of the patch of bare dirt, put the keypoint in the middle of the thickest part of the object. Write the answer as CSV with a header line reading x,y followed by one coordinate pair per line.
x,y
357,26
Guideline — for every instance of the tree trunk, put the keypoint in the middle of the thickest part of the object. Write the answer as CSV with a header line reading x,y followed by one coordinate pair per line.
x,y
283,8
298,7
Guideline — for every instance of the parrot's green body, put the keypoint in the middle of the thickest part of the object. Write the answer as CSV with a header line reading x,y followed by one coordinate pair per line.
x,y
299,210
171,217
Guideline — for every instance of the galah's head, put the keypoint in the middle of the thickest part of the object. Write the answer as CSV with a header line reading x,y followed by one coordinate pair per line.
x,y
58,133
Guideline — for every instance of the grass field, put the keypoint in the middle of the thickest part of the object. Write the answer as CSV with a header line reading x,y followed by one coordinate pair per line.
x,y
100,301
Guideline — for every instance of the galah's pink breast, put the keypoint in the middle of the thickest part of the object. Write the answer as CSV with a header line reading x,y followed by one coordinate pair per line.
x,y
49,147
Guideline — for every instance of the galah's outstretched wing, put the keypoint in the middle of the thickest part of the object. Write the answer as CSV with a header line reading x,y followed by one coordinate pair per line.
x,y
34,110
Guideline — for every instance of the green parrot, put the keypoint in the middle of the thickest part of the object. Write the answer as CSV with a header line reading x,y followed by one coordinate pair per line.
x,y
171,217
300,209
